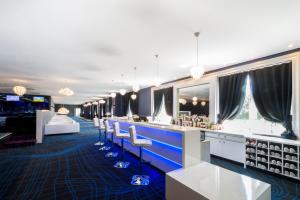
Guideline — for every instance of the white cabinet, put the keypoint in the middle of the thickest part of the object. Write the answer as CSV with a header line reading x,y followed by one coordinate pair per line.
x,y
227,146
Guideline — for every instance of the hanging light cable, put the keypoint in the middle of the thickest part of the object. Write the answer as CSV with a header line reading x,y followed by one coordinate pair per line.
x,y
135,86
197,71
122,91
157,81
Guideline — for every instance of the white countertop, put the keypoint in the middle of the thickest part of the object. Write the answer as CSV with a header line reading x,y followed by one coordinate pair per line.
x,y
217,183
170,127
254,136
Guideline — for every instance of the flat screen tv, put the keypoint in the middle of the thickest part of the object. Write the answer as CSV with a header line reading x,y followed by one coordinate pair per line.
x,y
38,99
12,98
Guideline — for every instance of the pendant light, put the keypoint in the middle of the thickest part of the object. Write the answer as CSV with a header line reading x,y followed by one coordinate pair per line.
x,y
19,90
113,95
66,91
157,81
133,96
102,101
195,103
135,87
203,103
63,111
197,71
122,91
182,101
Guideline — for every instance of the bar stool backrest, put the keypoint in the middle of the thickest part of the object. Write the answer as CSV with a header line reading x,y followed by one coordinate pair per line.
x,y
132,133
116,128
101,123
96,122
106,125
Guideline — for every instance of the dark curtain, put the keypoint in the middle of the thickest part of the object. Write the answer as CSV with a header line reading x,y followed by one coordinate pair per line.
x,y
157,101
126,102
119,105
158,95
134,104
168,93
232,91
272,92
110,104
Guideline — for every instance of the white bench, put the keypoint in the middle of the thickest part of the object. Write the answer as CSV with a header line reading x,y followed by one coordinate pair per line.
x,y
60,124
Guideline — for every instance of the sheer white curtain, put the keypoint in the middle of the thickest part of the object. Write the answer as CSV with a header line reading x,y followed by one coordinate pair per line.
x,y
162,116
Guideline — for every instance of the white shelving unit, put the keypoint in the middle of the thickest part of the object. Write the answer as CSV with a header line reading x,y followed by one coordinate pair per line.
x,y
273,156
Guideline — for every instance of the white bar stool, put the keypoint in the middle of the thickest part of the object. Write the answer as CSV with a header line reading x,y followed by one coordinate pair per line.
x,y
122,136
96,122
109,130
139,179
101,128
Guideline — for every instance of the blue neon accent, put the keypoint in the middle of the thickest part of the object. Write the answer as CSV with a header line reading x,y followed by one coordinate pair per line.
x,y
163,157
157,155
157,141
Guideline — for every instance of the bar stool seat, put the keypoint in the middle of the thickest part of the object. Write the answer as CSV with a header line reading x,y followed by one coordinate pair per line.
x,y
108,129
120,164
142,142
139,179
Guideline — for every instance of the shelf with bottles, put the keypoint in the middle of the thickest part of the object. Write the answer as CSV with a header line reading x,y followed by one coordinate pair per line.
x,y
251,156
275,154
275,169
250,150
275,146
291,173
290,165
263,152
291,149
262,144
251,143
262,158
250,163
262,165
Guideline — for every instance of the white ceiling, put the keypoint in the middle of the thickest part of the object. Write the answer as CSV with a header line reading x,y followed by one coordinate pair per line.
x,y
87,44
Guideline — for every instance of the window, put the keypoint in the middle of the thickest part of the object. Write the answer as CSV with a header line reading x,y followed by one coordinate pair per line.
x,y
250,121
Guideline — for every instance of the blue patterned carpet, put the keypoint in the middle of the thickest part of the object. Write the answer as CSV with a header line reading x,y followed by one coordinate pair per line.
x,y
71,167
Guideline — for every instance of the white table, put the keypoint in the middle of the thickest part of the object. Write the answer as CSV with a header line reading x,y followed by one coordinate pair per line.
x,y
208,181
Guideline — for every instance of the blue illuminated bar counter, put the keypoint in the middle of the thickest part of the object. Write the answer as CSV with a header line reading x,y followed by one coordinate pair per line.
x,y
173,146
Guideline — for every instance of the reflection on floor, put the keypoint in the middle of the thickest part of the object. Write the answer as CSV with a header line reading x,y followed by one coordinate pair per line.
x,y
71,167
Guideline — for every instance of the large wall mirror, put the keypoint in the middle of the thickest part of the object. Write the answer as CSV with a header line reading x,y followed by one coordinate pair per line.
x,y
193,103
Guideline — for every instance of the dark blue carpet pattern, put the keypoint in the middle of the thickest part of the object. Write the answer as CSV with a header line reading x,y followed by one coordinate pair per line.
x,y
70,167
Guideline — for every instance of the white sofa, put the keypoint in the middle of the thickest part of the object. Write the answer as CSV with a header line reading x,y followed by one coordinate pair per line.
x,y
60,124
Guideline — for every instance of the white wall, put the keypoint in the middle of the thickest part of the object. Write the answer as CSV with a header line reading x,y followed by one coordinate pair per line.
x,y
212,80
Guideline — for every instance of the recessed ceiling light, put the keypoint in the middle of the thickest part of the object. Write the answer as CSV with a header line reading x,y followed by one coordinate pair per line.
x,y
290,45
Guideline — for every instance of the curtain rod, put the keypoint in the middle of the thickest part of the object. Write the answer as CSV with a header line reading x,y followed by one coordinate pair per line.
x,y
254,68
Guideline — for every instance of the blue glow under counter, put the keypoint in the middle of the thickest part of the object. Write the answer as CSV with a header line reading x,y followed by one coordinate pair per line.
x,y
168,150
